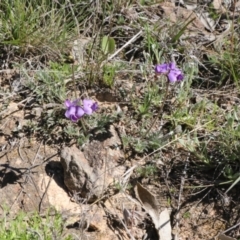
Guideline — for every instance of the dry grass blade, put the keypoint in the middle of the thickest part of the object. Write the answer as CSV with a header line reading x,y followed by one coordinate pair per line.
x,y
149,202
224,237
165,229
134,38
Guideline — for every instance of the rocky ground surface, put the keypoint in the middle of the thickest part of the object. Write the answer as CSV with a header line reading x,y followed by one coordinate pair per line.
x,y
82,184
79,183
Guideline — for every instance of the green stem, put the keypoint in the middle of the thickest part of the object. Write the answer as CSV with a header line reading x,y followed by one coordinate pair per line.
x,y
74,82
160,111
83,126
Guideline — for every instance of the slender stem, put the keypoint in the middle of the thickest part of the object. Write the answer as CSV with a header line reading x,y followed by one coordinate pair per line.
x,y
83,126
232,27
160,111
74,82
75,92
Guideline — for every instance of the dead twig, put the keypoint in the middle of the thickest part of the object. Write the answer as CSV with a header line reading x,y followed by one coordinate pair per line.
x,y
133,39
44,194
180,194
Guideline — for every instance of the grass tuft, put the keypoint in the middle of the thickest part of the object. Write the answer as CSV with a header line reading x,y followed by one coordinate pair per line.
x,y
32,226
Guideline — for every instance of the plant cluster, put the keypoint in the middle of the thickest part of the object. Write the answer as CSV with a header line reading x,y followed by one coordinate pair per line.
x,y
31,226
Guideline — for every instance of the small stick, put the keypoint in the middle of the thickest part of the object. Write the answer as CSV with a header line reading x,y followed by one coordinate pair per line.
x,y
125,45
231,228
180,192
235,182
45,192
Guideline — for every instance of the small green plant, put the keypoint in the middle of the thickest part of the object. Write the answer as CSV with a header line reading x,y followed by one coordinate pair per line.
x,y
147,171
48,85
108,45
82,139
139,145
213,12
126,140
151,44
26,226
229,137
226,61
155,140
109,74
119,187
103,122
143,108
151,99
37,27
173,75
187,215
60,67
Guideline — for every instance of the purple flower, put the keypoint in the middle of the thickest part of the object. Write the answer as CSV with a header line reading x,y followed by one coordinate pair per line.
x,y
74,111
162,68
174,74
89,106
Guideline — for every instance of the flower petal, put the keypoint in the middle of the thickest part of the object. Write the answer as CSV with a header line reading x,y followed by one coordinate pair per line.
x,y
172,76
88,110
161,68
172,66
87,102
74,118
79,112
175,75
67,115
87,106
94,107
70,111
180,77
68,103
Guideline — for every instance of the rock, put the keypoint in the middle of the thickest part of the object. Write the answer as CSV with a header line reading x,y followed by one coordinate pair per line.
x,y
55,192
9,199
75,215
90,172
113,139
76,169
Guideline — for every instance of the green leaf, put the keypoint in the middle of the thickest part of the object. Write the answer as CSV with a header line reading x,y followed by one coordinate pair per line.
x,y
180,33
108,45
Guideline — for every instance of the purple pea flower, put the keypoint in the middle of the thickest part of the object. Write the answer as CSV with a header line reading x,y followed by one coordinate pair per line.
x,y
174,74
74,111
162,68
89,106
